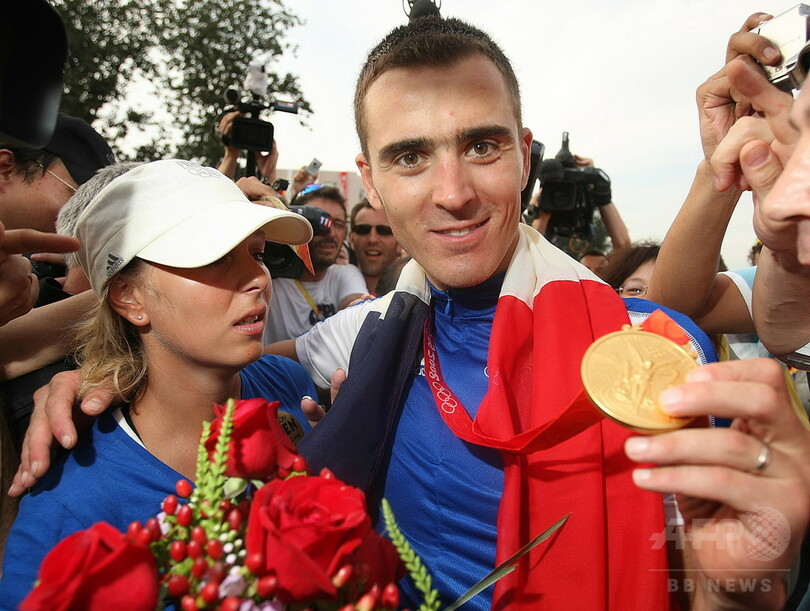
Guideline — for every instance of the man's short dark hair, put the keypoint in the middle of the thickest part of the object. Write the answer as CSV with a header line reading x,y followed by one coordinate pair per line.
x,y
30,163
330,193
593,253
429,42
361,205
77,144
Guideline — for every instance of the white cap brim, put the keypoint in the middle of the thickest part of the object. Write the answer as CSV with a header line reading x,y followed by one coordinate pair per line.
x,y
196,241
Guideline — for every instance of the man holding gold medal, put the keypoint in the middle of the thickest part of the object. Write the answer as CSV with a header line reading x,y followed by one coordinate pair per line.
x,y
464,404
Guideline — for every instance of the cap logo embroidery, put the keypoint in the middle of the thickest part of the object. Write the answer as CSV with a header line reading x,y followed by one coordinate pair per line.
x,y
113,263
195,169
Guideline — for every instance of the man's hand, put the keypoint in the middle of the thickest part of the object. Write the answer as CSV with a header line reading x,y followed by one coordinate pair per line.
x,y
302,179
313,410
750,138
255,190
719,103
19,288
51,419
266,164
744,491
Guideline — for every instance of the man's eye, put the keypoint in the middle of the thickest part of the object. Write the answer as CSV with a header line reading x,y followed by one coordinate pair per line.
x,y
482,149
409,160
259,256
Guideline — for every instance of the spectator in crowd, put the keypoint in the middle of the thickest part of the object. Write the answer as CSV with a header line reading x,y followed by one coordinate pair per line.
x,y
372,241
445,154
17,394
297,304
594,260
35,183
174,252
629,269
266,161
613,221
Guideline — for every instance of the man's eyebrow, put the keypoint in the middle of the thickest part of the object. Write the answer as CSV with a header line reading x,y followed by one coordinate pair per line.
x,y
485,131
395,148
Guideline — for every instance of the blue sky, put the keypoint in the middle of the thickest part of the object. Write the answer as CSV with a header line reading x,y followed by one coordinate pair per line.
x,y
620,77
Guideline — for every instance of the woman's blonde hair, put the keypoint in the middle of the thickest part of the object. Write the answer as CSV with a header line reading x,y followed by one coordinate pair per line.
x,y
109,350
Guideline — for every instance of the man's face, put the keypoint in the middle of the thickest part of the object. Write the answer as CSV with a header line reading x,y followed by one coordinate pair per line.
x,y
595,263
374,250
783,217
324,249
446,161
35,204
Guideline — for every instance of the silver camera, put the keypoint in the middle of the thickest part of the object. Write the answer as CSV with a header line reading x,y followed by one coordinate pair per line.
x,y
790,33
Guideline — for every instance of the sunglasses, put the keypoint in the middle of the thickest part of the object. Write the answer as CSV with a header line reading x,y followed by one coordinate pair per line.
x,y
366,229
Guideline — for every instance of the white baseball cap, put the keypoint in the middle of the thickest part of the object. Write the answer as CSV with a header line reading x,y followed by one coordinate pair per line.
x,y
176,213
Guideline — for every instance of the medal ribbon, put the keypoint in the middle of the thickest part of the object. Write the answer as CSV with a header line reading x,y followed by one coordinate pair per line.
x,y
578,416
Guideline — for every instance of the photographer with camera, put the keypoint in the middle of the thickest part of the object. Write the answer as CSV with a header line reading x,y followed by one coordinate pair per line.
x,y
298,303
571,187
265,161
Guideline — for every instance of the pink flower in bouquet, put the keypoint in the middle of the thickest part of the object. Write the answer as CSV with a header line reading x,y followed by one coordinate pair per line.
x,y
305,529
259,447
95,570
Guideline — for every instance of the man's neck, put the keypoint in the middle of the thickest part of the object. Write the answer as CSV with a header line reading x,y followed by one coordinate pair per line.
x,y
371,283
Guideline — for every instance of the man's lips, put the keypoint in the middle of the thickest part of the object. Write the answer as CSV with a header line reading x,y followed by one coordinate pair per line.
x,y
460,231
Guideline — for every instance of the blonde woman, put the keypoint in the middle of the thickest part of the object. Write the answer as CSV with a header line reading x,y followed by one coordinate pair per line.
x,y
174,252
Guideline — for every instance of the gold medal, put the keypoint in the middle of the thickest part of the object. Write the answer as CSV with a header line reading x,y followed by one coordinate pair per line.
x,y
624,373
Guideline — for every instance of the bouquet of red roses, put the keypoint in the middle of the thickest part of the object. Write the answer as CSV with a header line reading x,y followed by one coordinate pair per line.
x,y
257,533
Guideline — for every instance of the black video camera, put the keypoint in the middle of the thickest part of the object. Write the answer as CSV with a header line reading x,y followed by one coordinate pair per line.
x,y
281,259
249,132
571,194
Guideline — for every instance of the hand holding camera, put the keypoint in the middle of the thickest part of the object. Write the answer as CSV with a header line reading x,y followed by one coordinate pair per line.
x,y
572,188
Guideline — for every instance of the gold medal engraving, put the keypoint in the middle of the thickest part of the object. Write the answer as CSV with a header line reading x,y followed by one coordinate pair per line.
x,y
624,373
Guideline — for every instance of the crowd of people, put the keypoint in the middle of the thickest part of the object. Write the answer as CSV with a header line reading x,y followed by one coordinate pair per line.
x,y
438,366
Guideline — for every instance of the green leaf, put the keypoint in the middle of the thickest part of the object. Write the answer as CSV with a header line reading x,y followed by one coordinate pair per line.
x,y
234,486
508,565
417,570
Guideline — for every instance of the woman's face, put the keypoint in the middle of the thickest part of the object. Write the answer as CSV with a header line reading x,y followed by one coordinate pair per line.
x,y
635,285
212,316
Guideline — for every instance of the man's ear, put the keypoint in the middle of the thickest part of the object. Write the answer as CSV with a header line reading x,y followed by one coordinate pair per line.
x,y
8,165
125,299
368,183
526,147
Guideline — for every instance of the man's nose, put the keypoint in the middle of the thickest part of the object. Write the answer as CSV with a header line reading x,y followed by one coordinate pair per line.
x,y
789,200
453,186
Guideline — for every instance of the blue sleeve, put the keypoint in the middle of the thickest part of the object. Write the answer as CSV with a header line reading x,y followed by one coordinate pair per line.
x,y
277,378
41,523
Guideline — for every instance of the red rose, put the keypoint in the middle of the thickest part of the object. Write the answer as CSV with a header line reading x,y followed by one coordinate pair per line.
x,y
377,560
96,570
305,529
258,445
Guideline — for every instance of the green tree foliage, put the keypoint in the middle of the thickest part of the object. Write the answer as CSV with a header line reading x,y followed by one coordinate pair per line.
x,y
190,51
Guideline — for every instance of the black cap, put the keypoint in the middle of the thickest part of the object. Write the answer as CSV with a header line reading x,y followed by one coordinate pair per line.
x,y
83,151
